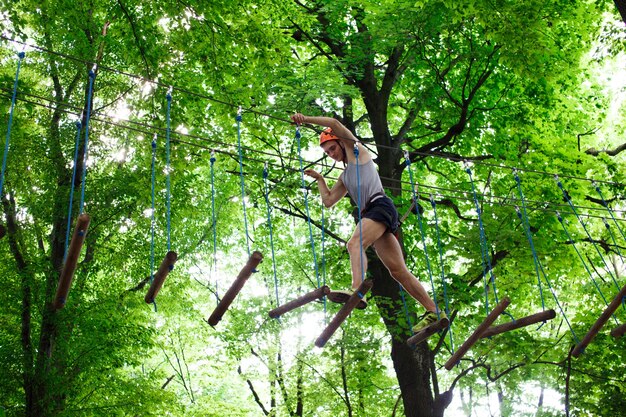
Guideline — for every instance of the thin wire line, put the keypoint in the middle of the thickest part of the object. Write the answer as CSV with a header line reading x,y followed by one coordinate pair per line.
x,y
440,191
207,97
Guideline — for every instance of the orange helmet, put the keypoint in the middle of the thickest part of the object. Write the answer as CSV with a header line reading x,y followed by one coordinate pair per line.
x,y
327,135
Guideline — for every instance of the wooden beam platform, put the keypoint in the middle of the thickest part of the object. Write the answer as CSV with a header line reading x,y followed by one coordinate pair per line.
x,y
604,317
71,260
254,260
344,312
428,331
157,281
619,331
316,294
471,341
519,323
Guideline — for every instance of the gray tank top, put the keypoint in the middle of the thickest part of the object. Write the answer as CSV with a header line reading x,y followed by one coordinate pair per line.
x,y
368,182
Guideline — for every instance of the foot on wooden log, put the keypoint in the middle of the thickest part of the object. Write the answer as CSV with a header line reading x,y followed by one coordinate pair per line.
x,y
341,297
428,331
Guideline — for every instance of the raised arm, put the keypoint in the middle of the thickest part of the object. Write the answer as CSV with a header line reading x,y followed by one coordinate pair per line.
x,y
343,133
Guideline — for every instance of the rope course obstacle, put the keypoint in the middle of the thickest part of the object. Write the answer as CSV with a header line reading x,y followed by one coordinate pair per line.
x,y
485,329
82,222
254,258
322,289
167,264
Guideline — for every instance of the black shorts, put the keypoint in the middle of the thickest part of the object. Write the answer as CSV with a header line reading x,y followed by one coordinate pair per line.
x,y
383,211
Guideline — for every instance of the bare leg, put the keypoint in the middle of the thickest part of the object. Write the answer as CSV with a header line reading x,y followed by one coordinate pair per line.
x,y
390,253
372,231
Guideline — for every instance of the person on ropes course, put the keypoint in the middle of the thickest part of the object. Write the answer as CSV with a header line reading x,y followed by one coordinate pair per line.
x,y
379,216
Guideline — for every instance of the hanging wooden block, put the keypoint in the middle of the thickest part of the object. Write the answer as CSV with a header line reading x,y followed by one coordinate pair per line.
x,y
619,331
466,346
157,281
604,317
254,260
71,260
316,294
519,323
344,312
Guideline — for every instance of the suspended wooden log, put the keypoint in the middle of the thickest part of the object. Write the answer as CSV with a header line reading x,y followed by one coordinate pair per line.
x,y
316,294
466,346
519,323
71,260
604,317
341,297
344,312
157,281
254,260
428,331
619,331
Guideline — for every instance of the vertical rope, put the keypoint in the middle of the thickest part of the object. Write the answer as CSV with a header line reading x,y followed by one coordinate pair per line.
x,y
538,266
152,217
569,201
243,187
569,237
483,246
423,235
214,224
358,204
20,56
323,251
306,205
92,76
168,169
523,216
443,275
269,225
69,213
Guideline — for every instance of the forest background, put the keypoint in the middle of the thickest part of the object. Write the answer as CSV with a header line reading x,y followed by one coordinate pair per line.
x,y
454,98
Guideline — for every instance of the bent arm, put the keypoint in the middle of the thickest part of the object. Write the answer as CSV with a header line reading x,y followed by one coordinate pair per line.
x,y
330,196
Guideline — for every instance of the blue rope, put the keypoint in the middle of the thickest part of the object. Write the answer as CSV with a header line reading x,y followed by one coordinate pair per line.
x,y
608,227
243,187
523,216
358,205
6,143
569,237
538,265
423,235
69,214
92,76
484,251
610,211
269,225
168,96
323,252
443,275
152,217
214,223
306,205
569,201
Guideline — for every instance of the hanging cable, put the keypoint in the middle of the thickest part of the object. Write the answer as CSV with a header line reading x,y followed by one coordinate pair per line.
x,y
443,275
69,213
306,205
92,77
523,215
214,226
20,57
152,217
423,235
569,201
484,250
269,225
243,187
168,169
